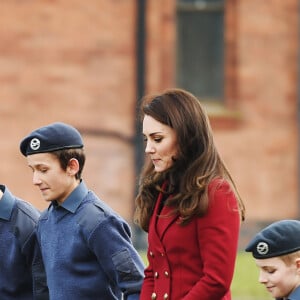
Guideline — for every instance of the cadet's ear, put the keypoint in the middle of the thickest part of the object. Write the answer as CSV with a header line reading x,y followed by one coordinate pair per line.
x,y
73,166
298,265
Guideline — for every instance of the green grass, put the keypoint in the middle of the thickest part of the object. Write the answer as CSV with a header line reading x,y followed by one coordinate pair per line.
x,y
245,285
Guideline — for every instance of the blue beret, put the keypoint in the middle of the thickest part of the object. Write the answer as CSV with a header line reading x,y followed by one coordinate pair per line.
x,y
53,137
279,238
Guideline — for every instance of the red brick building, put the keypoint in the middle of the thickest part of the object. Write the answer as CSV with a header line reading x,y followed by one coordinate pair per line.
x,y
88,62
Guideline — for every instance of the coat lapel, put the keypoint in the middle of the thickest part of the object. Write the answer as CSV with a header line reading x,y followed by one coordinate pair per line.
x,y
162,220
165,220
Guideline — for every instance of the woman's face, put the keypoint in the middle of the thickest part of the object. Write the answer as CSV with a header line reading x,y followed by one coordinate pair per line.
x,y
161,143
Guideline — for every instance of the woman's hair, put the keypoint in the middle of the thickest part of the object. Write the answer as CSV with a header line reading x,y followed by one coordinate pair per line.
x,y
196,164
65,155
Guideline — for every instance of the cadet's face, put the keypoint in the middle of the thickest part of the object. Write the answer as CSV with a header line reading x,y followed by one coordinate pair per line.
x,y
280,279
53,182
161,143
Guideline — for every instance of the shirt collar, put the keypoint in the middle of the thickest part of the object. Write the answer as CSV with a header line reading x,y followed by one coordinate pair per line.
x,y
73,201
295,295
6,203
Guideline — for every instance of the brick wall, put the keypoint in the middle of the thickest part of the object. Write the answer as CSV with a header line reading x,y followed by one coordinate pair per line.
x,y
265,162
72,62
75,62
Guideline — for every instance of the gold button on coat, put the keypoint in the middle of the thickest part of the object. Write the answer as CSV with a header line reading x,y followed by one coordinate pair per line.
x,y
166,273
156,274
166,296
153,296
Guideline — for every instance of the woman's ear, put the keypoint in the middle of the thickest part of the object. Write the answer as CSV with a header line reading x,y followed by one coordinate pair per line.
x,y
72,167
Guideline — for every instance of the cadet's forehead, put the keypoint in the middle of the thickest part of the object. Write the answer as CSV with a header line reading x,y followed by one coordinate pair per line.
x,y
42,159
272,262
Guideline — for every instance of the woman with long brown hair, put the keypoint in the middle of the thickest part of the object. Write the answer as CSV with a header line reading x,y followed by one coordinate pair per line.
x,y
187,202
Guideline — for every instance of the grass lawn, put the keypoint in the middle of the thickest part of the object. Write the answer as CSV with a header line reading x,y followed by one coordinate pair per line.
x,y
245,285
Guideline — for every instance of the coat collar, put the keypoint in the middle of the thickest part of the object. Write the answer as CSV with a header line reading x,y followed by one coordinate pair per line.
x,y
164,218
74,200
295,295
7,203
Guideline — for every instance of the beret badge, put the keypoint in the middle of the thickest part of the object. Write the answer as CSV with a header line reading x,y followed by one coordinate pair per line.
x,y
35,144
262,248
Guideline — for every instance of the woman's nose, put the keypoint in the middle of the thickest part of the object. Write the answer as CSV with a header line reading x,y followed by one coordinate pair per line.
x,y
149,148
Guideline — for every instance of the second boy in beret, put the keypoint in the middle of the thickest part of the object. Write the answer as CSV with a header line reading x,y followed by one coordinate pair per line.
x,y
276,250
86,247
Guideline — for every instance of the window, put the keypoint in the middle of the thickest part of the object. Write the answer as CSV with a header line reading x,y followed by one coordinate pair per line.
x,y
200,48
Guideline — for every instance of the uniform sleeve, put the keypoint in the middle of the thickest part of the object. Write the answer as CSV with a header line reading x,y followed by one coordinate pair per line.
x,y
218,233
111,243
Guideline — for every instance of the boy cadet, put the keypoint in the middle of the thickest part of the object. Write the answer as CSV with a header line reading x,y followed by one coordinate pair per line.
x,y
276,250
22,275
86,247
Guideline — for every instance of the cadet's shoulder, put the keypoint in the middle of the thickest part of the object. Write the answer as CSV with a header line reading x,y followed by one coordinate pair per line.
x,y
25,217
26,210
94,212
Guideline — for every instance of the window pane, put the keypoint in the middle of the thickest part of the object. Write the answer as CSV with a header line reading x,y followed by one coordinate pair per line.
x,y
200,48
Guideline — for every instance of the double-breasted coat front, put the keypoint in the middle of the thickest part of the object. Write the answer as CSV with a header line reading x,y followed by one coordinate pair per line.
x,y
194,261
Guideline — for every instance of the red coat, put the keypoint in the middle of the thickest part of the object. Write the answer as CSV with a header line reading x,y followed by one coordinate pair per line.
x,y
195,261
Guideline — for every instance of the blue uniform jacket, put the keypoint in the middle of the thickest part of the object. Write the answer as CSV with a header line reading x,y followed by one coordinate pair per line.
x,y
21,269
295,295
87,250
